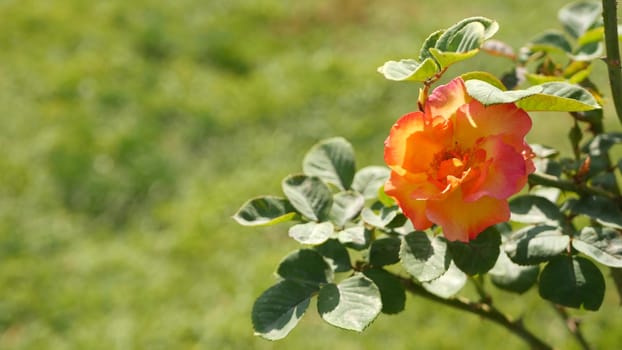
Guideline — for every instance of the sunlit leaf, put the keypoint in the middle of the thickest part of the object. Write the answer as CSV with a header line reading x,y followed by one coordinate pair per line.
x,y
604,210
512,277
535,244
309,195
277,311
331,160
466,35
409,69
572,281
553,96
352,304
551,41
266,210
423,257
380,219
580,16
448,284
601,244
446,59
428,43
311,232
356,237
531,209
484,76
346,206
368,180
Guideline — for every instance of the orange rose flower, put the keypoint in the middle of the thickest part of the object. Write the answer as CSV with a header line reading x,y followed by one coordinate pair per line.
x,y
456,163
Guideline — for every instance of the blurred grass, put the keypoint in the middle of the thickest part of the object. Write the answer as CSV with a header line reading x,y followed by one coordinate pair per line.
x,y
132,131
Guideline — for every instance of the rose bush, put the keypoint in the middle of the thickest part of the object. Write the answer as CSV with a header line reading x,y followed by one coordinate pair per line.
x,y
455,163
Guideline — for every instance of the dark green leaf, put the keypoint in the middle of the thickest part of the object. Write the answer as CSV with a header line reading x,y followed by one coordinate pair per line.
x,y
309,195
346,206
311,232
513,277
535,244
551,41
355,237
331,160
573,281
305,266
369,180
478,255
352,304
266,210
530,209
450,283
409,69
553,96
580,16
589,52
605,211
391,289
423,257
336,254
277,311
384,251
601,244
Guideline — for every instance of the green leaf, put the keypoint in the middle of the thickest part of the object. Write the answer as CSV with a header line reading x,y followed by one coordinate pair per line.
x,y
409,69
601,244
531,209
466,35
478,255
336,254
423,257
346,206
513,277
355,237
605,211
429,42
580,16
311,232
369,180
352,304
381,219
392,291
484,76
535,244
589,52
573,281
551,41
449,284
384,251
266,210
307,267
553,96
309,195
332,160
446,59
277,311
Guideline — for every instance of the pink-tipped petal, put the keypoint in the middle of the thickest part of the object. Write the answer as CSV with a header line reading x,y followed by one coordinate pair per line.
x,y
446,99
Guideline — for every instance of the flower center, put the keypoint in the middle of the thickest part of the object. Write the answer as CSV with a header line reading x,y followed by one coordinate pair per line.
x,y
451,166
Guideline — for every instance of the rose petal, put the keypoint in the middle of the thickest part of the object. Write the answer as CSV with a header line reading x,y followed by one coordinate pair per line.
x,y
475,121
461,220
414,209
445,100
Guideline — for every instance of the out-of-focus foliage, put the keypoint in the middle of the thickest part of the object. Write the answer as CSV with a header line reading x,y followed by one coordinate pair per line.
x,y
131,129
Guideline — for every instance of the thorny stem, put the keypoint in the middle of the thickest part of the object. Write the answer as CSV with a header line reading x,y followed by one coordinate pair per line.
x,y
484,310
573,326
613,53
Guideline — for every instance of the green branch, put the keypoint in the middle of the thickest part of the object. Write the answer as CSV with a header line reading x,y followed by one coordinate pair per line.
x,y
567,185
613,53
484,310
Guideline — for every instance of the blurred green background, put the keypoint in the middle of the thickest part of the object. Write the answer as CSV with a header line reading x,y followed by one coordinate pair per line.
x,y
133,130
